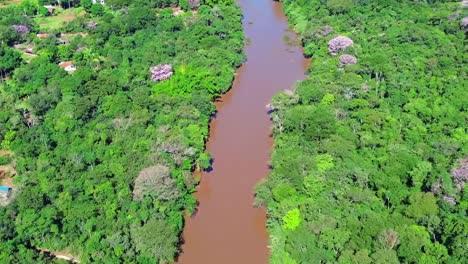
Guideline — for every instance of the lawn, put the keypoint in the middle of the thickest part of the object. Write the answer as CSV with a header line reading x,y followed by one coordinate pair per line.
x,y
57,21
4,3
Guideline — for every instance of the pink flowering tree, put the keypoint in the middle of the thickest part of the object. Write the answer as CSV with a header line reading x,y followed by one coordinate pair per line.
x,y
338,44
347,59
161,72
21,29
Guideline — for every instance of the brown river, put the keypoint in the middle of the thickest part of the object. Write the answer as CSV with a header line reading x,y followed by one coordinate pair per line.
x,y
227,228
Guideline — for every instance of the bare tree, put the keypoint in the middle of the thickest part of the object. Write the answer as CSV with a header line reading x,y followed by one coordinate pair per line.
x,y
157,182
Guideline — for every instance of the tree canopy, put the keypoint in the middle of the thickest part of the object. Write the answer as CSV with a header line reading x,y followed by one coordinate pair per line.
x,y
81,139
370,149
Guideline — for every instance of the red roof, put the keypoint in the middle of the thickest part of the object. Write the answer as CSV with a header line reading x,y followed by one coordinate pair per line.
x,y
65,64
42,35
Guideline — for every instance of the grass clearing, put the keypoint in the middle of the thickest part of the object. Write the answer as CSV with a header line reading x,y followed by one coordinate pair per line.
x,y
5,3
27,57
57,21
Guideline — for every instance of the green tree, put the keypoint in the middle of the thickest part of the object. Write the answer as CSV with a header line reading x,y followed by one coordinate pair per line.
x,y
86,4
324,162
97,10
340,6
9,60
292,219
156,239
422,205
382,256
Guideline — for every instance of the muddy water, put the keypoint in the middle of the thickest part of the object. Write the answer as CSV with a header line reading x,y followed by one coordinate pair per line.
x,y
227,228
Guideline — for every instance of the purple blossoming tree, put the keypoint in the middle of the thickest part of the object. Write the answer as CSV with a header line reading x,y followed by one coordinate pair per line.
x,y
464,23
21,29
161,72
91,25
450,200
347,59
338,44
437,187
460,175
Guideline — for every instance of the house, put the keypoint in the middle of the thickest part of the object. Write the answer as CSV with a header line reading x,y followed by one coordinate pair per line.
x,y
67,66
42,35
28,49
80,49
102,2
5,192
61,41
177,11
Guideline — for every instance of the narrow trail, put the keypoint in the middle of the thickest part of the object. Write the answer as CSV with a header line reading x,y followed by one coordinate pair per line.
x,y
227,228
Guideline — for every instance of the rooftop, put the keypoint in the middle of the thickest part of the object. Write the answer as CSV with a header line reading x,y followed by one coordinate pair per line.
x,y
65,64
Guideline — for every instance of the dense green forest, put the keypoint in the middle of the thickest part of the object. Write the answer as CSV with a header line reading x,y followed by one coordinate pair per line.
x,y
105,152
370,159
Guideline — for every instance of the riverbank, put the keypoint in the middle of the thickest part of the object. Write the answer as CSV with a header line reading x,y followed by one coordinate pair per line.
x,y
370,158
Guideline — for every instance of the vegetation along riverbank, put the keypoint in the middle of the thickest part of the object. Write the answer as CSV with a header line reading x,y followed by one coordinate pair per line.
x,y
105,107
370,159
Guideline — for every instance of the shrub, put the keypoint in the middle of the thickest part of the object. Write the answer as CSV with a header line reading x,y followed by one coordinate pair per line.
x,y
5,160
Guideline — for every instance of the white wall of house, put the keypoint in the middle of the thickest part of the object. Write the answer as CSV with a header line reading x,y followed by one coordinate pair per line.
x,y
4,194
70,68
